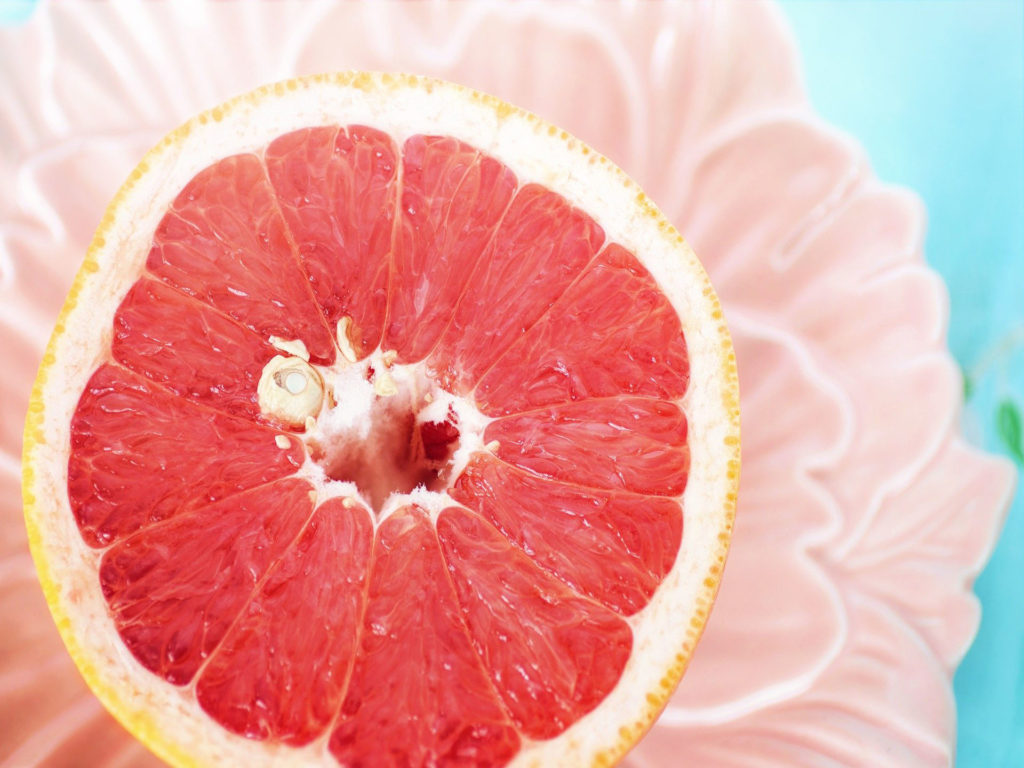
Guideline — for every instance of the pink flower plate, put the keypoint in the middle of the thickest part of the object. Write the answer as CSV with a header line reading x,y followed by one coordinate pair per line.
x,y
863,519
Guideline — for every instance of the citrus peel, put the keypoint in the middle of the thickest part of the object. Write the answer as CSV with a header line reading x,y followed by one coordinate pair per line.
x,y
664,632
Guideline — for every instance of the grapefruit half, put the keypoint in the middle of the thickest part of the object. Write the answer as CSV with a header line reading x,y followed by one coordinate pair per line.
x,y
384,424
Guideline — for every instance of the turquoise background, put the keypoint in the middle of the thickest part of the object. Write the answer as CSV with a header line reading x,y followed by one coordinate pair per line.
x,y
935,92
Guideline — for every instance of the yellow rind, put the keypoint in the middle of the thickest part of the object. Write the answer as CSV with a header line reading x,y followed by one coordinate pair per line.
x,y
137,720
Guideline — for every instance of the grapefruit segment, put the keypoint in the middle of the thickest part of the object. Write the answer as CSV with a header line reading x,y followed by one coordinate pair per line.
x,y
453,198
336,188
140,454
613,332
540,247
418,694
189,348
613,547
281,670
551,654
225,242
174,589
627,443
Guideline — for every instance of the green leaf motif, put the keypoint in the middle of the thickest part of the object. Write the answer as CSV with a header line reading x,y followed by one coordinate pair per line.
x,y
1008,424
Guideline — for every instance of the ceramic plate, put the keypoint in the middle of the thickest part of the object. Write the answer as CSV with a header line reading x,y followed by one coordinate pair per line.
x,y
863,518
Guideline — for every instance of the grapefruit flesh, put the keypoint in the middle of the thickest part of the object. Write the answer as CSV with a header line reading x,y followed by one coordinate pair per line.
x,y
419,693
335,188
447,560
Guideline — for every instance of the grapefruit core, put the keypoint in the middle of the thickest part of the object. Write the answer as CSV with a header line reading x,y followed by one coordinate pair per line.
x,y
384,424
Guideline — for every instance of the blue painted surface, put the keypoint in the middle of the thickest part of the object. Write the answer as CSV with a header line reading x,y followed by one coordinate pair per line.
x,y
935,92
15,11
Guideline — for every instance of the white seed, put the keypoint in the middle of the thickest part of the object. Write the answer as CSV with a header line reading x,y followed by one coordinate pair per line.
x,y
295,382
384,385
389,357
295,347
348,351
493,446
428,398
290,390
282,441
348,502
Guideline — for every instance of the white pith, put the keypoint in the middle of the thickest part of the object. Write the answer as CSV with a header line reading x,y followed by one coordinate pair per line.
x,y
356,405
663,632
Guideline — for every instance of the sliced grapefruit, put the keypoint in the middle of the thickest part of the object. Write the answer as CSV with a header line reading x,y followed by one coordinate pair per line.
x,y
385,424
